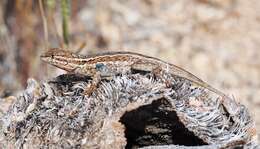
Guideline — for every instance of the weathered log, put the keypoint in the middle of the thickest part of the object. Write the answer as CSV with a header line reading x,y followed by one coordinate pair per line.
x,y
131,111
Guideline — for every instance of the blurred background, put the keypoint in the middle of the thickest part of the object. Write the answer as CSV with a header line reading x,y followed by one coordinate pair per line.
x,y
217,40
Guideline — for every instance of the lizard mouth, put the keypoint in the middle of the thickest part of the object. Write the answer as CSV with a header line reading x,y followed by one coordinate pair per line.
x,y
61,58
57,63
45,58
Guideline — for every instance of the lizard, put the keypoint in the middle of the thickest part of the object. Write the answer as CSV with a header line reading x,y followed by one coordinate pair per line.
x,y
109,64
112,63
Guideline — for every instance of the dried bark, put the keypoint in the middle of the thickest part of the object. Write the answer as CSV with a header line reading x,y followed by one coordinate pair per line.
x,y
131,111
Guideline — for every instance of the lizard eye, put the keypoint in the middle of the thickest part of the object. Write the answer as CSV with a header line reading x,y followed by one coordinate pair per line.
x,y
99,66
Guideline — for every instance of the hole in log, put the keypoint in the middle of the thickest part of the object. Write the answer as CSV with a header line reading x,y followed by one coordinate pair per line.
x,y
155,124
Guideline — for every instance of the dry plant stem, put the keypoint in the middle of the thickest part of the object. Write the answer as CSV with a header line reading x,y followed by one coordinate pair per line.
x,y
45,25
56,31
65,20
82,45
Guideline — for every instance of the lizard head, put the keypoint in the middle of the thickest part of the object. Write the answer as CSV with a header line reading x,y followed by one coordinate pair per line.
x,y
62,59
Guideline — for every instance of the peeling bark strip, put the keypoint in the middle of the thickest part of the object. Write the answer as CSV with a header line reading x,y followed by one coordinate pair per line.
x,y
129,111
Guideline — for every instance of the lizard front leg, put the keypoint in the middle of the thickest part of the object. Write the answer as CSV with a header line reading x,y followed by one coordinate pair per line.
x,y
93,85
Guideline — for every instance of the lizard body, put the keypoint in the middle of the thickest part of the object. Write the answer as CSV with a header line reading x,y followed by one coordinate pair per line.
x,y
112,63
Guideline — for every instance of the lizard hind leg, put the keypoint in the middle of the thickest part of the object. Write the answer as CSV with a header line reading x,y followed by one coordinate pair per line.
x,y
156,70
159,73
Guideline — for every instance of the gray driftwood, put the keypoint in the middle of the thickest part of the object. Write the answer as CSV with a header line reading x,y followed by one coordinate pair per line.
x,y
133,111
